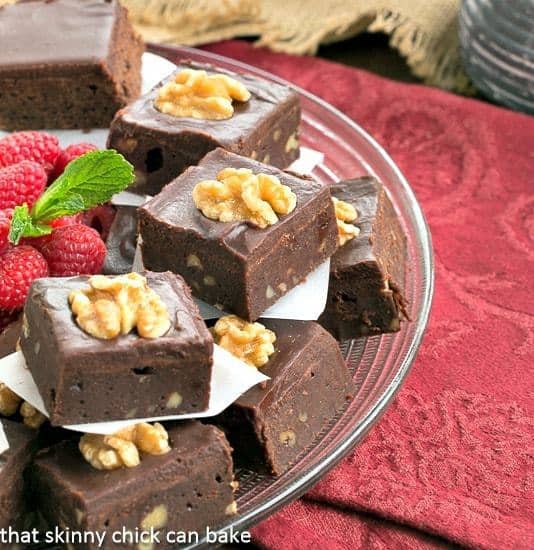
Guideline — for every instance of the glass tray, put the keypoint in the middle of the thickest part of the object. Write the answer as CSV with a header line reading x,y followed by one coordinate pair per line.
x,y
379,363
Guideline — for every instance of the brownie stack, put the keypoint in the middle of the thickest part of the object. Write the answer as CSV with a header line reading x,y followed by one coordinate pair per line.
x,y
234,266
87,379
244,269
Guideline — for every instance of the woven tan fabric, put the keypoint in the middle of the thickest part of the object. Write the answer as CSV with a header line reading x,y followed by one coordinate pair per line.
x,y
423,31
193,22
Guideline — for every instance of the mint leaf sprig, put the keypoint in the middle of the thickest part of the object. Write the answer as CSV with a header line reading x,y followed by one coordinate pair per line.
x,y
87,181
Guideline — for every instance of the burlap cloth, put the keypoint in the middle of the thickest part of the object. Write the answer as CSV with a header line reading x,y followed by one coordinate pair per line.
x,y
423,31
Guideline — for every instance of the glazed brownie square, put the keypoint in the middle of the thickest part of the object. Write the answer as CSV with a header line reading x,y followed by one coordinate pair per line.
x,y
83,379
187,489
273,423
162,146
66,63
22,446
367,273
235,266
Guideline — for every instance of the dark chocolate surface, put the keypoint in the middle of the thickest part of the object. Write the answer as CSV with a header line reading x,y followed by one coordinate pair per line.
x,y
175,206
85,379
285,365
66,63
247,115
51,294
273,422
192,481
121,242
379,227
367,273
251,267
58,32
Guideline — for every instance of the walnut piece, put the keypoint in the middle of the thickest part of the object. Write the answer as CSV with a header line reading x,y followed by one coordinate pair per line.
x,y
345,214
288,438
156,519
115,305
196,94
292,143
251,342
32,417
231,509
240,195
9,401
121,449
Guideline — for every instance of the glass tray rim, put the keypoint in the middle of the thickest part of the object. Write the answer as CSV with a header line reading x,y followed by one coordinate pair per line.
x,y
241,522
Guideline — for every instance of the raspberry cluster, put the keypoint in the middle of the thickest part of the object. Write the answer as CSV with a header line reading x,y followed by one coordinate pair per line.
x,y
29,161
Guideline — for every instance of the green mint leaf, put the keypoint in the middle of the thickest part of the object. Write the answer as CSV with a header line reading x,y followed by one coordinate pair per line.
x,y
72,204
20,220
88,181
22,225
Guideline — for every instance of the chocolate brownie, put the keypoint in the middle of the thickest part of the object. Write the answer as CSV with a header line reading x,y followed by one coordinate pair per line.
x,y
84,379
66,63
162,146
273,423
187,489
9,337
367,273
235,266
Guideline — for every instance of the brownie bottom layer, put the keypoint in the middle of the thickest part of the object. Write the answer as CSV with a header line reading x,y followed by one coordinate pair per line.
x,y
360,303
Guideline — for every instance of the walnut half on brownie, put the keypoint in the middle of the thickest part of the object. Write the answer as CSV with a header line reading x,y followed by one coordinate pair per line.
x,y
66,64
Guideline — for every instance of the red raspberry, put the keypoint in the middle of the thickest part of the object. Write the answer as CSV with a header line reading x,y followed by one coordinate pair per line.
x,y
69,154
5,223
21,183
100,218
19,267
67,220
73,250
38,146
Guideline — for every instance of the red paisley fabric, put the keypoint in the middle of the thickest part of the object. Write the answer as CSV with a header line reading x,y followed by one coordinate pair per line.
x,y
452,461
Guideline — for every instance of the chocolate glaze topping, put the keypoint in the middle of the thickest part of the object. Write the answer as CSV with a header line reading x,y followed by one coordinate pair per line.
x,y
175,205
52,294
244,121
76,33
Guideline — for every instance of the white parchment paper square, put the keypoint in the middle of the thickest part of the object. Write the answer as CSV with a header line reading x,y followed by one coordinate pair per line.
x,y
4,443
231,378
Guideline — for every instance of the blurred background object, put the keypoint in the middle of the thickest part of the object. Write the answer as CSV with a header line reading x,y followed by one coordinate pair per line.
x,y
424,32
497,44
